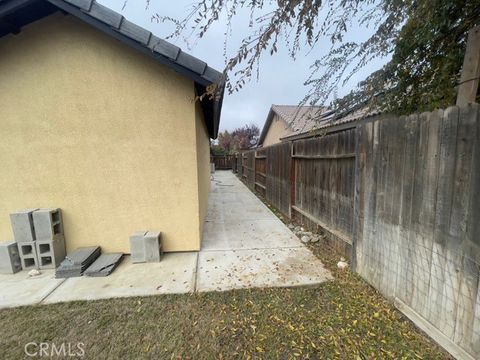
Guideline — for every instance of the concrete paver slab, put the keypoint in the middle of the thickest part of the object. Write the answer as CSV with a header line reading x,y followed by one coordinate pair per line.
x,y
174,274
20,289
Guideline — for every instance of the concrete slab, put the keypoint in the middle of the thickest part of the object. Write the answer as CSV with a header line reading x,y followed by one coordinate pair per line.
x,y
246,245
19,289
247,234
174,274
226,270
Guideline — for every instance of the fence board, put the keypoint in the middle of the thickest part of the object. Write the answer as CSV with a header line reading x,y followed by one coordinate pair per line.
x,y
325,180
443,311
277,182
467,277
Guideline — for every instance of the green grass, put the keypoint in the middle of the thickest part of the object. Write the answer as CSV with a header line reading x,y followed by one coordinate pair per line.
x,y
341,319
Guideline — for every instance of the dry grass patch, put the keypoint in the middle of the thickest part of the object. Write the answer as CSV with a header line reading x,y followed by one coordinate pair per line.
x,y
341,319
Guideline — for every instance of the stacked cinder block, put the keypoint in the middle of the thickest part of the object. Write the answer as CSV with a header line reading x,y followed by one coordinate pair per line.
x,y
146,246
9,258
39,236
50,239
24,234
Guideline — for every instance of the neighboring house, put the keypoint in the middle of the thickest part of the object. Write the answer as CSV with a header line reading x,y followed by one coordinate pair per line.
x,y
287,120
330,121
98,118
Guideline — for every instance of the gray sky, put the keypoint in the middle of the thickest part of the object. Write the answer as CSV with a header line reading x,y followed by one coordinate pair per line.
x,y
281,77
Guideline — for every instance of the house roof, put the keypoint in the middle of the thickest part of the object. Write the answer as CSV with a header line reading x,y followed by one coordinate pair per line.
x,y
308,120
299,119
331,118
14,14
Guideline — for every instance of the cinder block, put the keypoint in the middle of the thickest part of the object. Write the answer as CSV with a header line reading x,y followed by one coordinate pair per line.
x,y
28,255
145,246
22,225
10,262
50,253
47,223
137,247
153,246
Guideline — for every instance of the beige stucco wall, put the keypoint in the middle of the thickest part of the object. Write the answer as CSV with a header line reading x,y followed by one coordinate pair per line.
x,y
203,166
103,132
278,129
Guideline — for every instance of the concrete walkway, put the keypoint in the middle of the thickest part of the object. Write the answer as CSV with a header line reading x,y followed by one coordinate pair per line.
x,y
245,245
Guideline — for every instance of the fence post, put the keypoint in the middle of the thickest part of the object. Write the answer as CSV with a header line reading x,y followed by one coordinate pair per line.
x,y
292,181
356,200
467,90
255,170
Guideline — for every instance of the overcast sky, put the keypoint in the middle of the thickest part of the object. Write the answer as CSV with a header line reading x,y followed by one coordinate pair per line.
x,y
281,77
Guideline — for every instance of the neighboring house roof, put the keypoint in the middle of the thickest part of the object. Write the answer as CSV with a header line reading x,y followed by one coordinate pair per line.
x,y
330,118
299,119
304,121
14,14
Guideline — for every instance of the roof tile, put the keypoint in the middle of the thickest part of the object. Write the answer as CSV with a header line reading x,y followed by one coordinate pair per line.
x,y
105,15
191,63
163,47
82,4
135,32
211,74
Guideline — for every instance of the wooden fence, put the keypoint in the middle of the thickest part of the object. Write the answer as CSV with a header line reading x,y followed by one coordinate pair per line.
x,y
311,180
403,195
222,162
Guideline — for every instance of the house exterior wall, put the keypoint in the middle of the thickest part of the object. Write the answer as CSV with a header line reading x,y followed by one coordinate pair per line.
x,y
278,129
103,132
203,166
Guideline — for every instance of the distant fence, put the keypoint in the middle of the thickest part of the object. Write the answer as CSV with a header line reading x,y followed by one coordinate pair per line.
x,y
402,195
222,162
